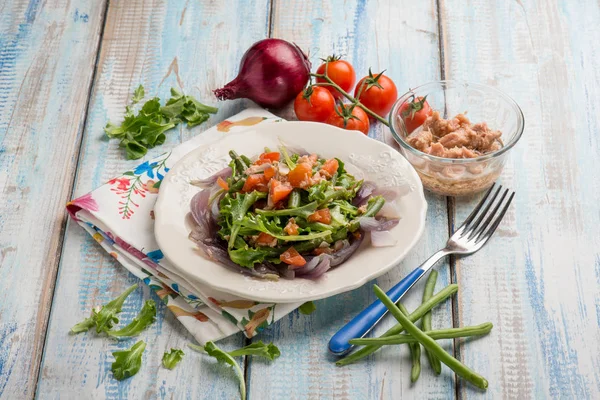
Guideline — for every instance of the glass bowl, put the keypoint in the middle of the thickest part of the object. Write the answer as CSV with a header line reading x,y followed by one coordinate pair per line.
x,y
480,103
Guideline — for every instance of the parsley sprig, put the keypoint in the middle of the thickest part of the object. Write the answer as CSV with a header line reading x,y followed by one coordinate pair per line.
x,y
146,129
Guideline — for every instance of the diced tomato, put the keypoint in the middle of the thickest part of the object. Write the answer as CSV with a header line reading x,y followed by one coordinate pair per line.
x,y
323,216
330,167
267,157
322,250
300,176
265,239
222,183
269,173
253,182
291,228
279,191
292,257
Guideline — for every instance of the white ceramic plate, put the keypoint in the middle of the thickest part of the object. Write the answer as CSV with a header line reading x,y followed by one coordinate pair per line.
x,y
376,161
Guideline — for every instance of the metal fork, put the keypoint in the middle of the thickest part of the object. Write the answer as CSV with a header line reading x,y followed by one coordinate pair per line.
x,y
469,238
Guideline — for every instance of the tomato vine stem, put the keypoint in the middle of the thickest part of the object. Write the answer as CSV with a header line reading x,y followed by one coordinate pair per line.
x,y
347,95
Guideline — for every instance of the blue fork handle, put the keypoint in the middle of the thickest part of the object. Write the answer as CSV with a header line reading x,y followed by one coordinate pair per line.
x,y
366,320
363,322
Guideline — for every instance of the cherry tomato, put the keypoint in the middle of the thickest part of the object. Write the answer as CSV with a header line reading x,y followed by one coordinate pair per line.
x,y
330,167
279,191
415,112
292,257
265,239
255,182
339,71
315,103
323,216
300,176
221,182
360,123
378,94
267,158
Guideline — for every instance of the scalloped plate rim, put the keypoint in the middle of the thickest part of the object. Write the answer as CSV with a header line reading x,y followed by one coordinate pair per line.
x,y
260,290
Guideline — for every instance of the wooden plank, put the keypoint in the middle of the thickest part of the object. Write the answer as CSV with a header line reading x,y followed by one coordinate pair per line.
x,y
538,280
43,99
196,45
403,39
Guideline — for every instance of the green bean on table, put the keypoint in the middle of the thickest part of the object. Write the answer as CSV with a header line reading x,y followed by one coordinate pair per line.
x,y
450,333
426,320
416,315
415,352
430,344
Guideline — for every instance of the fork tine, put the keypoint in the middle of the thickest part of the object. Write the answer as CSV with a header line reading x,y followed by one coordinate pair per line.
x,y
497,221
477,208
476,232
472,228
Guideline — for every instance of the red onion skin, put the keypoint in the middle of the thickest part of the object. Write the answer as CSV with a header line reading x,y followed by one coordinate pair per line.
x,y
272,73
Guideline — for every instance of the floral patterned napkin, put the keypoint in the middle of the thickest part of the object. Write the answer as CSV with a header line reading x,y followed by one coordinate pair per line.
x,y
119,215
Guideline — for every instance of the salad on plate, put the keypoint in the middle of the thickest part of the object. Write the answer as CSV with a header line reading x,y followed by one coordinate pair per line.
x,y
287,214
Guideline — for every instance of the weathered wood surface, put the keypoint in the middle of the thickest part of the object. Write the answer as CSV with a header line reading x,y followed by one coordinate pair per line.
x,y
378,35
188,44
43,100
539,280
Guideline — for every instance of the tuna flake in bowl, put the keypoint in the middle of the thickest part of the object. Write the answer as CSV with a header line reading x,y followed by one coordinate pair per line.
x,y
457,135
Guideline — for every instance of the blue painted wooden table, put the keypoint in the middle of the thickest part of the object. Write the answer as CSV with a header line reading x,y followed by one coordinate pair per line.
x,y
66,67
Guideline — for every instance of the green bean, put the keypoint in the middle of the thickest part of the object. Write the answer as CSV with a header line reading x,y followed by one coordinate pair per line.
x,y
240,163
450,333
426,321
246,160
430,344
237,186
396,329
415,352
373,207
294,200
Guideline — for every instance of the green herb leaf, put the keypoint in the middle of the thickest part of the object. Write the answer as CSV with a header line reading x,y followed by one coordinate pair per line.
x,y
128,362
172,358
146,316
223,357
83,326
269,351
105,317
307,308
147,128
138,95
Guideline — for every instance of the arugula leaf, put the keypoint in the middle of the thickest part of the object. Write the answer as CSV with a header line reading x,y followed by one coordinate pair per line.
x,y
83,326
258,223
307,308
146,316
269,351
337,218
233,211
248,256
223,357
303,211
104,317
138,95
172,358
147,128
128,362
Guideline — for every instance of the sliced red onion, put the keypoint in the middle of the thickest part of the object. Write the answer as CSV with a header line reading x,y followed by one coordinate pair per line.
x,y
365,191
283,169
377,224
341,256
223,174
323,266
382,239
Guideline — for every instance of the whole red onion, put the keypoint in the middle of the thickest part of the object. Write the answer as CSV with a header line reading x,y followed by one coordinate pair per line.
x,y
272,73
